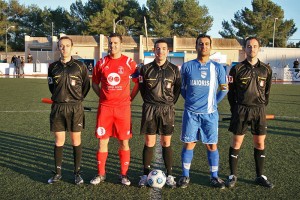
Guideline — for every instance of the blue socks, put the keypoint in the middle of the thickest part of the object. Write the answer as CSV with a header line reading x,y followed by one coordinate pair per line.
x,y
213,161
186,159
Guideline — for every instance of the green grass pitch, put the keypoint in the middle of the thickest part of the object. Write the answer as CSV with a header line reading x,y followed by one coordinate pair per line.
x,y
26,151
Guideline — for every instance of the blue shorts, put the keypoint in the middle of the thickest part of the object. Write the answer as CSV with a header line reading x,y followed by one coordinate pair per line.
x,y
200,126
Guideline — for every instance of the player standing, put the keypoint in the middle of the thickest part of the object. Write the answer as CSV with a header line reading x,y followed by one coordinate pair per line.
x,y
159,83
111,82
69,84
248,96
201,78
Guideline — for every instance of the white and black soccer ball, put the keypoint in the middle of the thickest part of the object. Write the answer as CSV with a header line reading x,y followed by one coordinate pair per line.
x,y
156,178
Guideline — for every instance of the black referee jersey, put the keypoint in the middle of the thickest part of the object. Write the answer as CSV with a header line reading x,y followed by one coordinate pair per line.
x,y
68,82
249,85
160,85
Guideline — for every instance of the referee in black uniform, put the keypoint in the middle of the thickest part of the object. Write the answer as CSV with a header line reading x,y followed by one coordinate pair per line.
x,y
248,96
69,84
159,84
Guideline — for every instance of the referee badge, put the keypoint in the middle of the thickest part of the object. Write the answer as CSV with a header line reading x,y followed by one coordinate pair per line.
x,y
73,82
50,80
230,79
262,83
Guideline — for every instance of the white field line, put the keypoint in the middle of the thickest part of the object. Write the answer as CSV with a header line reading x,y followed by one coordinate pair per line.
x,y
156,193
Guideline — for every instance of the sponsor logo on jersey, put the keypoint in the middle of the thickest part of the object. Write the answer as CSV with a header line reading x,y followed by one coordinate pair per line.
x,y
203,74
113,79
120,70
200,82
101,131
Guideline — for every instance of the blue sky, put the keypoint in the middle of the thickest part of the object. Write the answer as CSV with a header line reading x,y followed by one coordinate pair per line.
x,y
219,9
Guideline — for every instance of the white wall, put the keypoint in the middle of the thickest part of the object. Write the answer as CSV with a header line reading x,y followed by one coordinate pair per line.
x,y
30,69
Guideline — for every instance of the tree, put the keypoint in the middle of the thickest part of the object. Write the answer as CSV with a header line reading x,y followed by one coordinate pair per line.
x,y
260,22
3,24
161,16
192,18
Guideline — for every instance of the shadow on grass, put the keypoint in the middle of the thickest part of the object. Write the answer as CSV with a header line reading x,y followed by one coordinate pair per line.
x,y
33,157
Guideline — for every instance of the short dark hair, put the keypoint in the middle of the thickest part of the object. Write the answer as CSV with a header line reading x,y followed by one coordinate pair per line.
x,y
203,36
116,35
65,38
251,38
160,41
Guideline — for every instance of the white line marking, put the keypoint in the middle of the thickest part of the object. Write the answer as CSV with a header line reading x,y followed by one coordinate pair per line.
x,y
156,193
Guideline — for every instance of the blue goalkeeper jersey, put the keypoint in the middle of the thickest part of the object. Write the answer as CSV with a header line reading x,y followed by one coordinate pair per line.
x,y
200,85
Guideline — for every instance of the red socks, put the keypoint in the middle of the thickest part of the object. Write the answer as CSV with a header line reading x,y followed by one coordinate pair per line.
x,y
101,161
124,161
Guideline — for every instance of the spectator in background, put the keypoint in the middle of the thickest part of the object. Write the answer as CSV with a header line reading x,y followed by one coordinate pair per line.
x,y
29,58
296,63
13,60
18,65
22,66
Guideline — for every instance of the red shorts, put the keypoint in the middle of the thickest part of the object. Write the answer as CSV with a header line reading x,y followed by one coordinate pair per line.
x,y
113,122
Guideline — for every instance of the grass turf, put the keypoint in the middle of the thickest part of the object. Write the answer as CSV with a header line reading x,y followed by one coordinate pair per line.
x,y
26,151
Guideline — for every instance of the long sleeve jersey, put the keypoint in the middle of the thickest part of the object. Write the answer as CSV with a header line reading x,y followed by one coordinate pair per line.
x,y
249,85
68,82
160,85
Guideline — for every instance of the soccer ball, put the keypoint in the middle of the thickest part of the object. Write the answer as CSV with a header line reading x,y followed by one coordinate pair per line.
x,y
156,178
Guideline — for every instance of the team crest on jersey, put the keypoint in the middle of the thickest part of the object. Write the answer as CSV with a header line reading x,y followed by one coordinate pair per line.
x,y
203,74
113,79
229,79
120,70
141,80
106,68
262,83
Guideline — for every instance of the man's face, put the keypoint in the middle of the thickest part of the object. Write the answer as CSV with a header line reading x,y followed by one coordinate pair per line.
x,y
114,45
203,47
65,48
252,48
161,51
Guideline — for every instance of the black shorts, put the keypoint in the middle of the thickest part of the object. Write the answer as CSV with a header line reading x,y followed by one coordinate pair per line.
x,y
244,116
157,119
67,117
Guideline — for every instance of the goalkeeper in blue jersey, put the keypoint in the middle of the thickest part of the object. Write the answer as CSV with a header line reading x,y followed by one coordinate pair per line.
x,y
204,85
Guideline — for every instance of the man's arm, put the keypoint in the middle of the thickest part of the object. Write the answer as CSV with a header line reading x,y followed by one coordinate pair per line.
x,y
232,89
134,91
85,82
268,86
96,88
177,86
183,82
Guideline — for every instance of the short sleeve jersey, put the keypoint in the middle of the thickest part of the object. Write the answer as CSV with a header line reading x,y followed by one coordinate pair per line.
x,y
114,75
200,85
